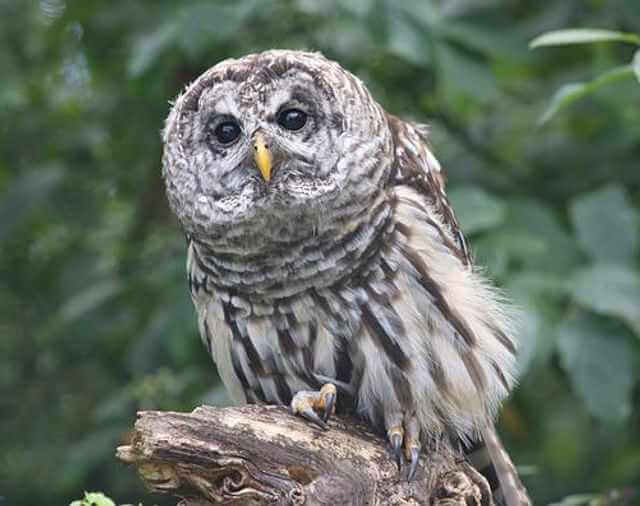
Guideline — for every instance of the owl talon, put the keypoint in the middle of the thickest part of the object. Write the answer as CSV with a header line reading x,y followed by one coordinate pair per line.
x,y
329,408
412,444
312,416
396,448
403,433
326,403
413,465
308,404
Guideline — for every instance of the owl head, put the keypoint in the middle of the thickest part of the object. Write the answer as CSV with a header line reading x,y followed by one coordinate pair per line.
x,y
273,147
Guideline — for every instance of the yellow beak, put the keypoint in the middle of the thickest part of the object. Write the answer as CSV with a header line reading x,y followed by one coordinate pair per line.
x,y
262,156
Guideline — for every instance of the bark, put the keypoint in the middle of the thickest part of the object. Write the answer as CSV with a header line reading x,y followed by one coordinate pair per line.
x,y
263,455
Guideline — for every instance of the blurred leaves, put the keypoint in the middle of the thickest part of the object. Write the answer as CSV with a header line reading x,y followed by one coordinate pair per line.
x,y
571,92
476,209
607,225
192,28
93,499
24,195
615,497
582,36
147,48
599,364
89,298
611,290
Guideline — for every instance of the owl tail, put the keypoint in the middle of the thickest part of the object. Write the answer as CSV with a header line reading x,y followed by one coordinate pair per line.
x,y
494,463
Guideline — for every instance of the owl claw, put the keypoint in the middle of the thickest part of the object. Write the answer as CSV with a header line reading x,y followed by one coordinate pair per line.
x,y
413,465
403,433
396,448
329,406
308,404
312,416
412,445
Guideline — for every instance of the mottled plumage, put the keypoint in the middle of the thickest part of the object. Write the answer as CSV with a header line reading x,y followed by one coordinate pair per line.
x,y
341,261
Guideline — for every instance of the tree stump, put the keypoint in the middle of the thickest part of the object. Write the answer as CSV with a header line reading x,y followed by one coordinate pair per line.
x,y
254,455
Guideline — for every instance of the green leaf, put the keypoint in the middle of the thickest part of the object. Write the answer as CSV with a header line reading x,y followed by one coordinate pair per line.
x,y
502,45
582,36
476,209
193,28
425,14
94,499
533,234
606,224
635,64
149,47
612,290
26,194
406,41
203,23
463,75
576,500
89,299
565,95
571,92
599,365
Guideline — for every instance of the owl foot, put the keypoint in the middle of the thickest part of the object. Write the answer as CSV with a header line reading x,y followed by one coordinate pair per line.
x,y
316,407
403,433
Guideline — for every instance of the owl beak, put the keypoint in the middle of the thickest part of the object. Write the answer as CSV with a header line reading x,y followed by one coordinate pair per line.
x,y
262,156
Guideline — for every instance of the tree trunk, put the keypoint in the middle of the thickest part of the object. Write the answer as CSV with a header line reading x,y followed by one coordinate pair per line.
x,y
263,455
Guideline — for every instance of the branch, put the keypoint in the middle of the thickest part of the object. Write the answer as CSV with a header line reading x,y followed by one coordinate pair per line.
x,y
264,455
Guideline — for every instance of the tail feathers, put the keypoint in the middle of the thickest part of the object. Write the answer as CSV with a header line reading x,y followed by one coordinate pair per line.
x,y
504,472
478,457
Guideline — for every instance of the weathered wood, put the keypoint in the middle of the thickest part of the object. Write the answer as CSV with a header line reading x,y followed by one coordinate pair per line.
x,y
263,455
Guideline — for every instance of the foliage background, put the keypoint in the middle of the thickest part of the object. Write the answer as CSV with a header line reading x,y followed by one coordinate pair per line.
x,y
95,320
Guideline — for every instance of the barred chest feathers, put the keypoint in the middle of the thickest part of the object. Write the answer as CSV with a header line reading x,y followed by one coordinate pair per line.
x,y
410,326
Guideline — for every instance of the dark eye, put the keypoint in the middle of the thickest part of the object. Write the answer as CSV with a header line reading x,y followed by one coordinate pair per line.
x,y
292,119
227,132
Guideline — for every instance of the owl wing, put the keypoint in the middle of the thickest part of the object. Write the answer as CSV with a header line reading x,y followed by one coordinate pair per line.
x,y
417,167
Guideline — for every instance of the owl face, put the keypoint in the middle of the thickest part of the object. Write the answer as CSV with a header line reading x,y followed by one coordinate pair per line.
x,y
269,145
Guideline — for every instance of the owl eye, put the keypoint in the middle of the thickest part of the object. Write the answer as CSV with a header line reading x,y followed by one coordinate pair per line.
x,y
227,132
292,119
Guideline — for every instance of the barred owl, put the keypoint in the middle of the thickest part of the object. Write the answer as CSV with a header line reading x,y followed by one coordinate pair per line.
x,y
325,263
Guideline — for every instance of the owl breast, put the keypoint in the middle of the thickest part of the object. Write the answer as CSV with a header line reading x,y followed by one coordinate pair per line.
x,y
389,333
275,322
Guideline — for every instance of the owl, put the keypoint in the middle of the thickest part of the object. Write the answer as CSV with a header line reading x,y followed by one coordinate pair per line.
x,y
325,263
